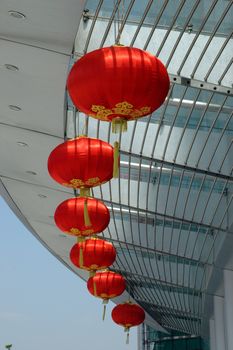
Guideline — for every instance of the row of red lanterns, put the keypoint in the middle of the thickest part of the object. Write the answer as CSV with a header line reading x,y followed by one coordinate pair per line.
x,y
115,84
70,164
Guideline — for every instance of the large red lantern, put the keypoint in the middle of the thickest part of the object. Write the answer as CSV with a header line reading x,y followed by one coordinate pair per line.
x,y
78,163
128,315
106,285
93,254
71,216
118,83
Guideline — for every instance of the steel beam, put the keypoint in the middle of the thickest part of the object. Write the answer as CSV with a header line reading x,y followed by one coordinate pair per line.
x,y
130,274
156,251
179,166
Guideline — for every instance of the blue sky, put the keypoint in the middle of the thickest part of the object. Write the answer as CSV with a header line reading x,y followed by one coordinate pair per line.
x,y
45,306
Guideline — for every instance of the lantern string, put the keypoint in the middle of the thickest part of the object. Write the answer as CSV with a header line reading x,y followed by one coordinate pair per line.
x,y
115,23
120,21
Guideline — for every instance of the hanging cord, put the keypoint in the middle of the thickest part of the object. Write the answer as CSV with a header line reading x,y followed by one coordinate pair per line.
x,y
115,24
120,20
85,126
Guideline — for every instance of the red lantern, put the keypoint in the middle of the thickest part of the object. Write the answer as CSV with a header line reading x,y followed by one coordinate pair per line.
x,y
93,254
118,83
78,163
70,216
106,285
128,315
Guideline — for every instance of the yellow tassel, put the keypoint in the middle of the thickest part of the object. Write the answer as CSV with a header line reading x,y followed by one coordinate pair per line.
x,y
81,257
95,290
87,220
105,302
119,125
80,239
116,160
127,335
127,338
85,192
104,313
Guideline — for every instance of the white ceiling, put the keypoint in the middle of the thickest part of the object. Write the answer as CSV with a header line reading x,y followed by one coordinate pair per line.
x,y
40,46
49,24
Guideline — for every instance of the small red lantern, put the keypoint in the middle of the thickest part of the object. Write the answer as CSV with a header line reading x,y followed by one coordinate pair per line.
x,y
128,315
106,285
78,163
70,216
93,254
118,83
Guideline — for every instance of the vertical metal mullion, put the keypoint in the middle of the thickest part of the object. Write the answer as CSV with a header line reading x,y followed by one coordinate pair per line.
x,y
197,35
196,240
189,190
214,213
172,229
210,39
92,26
165,2
226,154
210,130
111,20
225,71
219,140
218,55
186,125
160,123
173,122
182,3
147,9
182,32
163,233
197,128
156,201
212,246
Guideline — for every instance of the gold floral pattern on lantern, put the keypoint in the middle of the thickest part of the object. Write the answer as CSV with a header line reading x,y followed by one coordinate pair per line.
x,y
121,108
77,232
77,183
